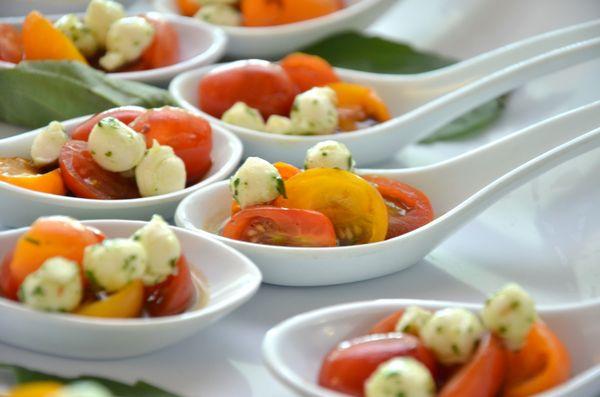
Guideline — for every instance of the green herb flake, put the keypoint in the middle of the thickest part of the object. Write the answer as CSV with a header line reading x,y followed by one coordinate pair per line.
x,y
31,240
281,186
455,349
108,154
38,291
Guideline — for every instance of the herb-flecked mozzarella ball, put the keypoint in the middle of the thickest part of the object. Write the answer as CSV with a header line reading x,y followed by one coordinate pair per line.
x,y
413,320
46,145
402,376
99,17
277,124
56,286
114,263
83,389
162,250
220,14
256,182
115,146
126,41
243,115
452,335
510,313
79,34
315,112
329,154
160,172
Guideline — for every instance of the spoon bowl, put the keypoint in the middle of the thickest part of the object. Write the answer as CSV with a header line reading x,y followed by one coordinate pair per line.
x,y
200,44
422,103
231,280
494,170
274,41
22,206
294,349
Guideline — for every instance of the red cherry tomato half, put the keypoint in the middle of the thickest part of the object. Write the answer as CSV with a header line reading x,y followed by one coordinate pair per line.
x,y
11,44
172,296
86,179
164,49
347,367
126,114
408,208
261,85
281,226
189,135
9,285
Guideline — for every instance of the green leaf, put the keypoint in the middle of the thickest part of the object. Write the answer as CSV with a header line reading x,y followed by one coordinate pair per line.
x,y
119,389
35,93
353,50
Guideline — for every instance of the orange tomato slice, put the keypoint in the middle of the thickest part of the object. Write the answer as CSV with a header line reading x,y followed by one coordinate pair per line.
x,y
126,303
35,389
21,172
357,103
286,171
188,7
308,71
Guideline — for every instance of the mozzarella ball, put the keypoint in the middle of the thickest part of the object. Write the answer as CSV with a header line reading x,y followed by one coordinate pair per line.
x,y
220,14
278,125
244,116
256,182
160,172
315,112
79,34
46,145
162,250
56,286
452,335
126,41
510,313
83,389
115,146
413,320
329,154
114,263
402,376
100,15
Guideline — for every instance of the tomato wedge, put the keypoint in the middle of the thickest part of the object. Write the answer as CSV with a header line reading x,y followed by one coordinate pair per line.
x,y
21,172
308,71
126,114
281,226
125,303
174,295
353,205
387,324
9,286
189,135
408,208
85,178
347,367
482,376
164,49
11,44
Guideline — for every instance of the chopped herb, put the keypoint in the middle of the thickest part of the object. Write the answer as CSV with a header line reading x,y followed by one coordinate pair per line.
x,y
455,349
439,329
38,291
350,162
109,122
108,154
93,280
503,329
128,262
281,187
32,240
401,394
136,237
173,262
236,182
514,305
324,154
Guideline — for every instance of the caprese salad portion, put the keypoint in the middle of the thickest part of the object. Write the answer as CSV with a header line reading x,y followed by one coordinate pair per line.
x,y
327,204
506,350
62,265
121,153
300,95
255,13
105,38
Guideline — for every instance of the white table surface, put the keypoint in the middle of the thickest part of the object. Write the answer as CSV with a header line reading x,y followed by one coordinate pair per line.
x,y
545,235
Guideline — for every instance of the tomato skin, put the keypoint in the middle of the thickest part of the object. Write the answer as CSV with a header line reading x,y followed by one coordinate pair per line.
x,y
387,324
483,375
189,135
400,196
349,365
126,114
86,179
308,71
11,44
260,84
125,303
164,49
281,226
174,295
9,285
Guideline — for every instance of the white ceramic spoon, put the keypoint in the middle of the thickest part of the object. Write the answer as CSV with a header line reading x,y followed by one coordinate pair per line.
x,y
459,189
274,41
22,7
22,206
200,44
293,350
231,280
419,104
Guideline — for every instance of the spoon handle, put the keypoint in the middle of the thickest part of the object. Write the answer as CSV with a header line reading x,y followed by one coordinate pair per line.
x,y
420,122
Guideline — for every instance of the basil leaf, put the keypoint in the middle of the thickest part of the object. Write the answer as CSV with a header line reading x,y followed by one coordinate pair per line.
x,y
35,93
354,50
119,389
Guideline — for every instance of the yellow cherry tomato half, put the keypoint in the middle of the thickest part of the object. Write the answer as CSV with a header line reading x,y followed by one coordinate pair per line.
x,y
126,303
353,205
35,389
